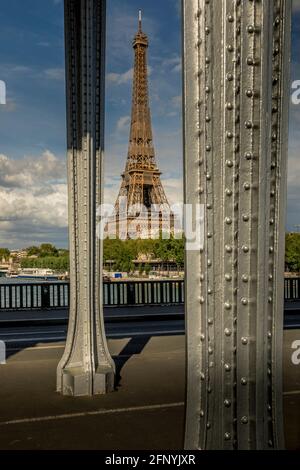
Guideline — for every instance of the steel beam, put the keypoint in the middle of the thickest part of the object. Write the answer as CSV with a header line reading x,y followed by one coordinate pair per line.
x,y
86,367
236,94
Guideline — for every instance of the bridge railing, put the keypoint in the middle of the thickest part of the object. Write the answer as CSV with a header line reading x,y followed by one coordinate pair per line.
x,y
117,293
292,288
123,293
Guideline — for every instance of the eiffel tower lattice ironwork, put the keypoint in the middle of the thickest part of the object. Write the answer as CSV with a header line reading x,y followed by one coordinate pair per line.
x,y
141,183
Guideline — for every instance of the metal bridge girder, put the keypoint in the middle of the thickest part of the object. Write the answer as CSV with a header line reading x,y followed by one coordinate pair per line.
x,y
86,367
236,94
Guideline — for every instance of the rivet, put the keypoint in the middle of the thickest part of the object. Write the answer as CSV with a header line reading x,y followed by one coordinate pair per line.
x,y
208,426
209,263
228,249
271,249
202,300
227,367
244,341
227,436
207,89
229,135
228,277
208,177
247,186
228,192
208,148
202,337
229,163
269,335
202,277
229,106
250,61
248,125
248,155
227,306
249,93
210,321
245,249
207,119
227,403
207,29
209,291
209,235
207,60
202,413
244,301
230,18
246,218
251,29
209,206
230,48
244,420
230,77
202,376
245,278
210,350
244,381
228,220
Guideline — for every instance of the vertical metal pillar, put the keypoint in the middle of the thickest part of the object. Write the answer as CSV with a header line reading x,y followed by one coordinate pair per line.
x,y
86,367
236,95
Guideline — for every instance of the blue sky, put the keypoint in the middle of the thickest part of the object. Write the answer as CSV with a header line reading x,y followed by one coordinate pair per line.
x,y
33,201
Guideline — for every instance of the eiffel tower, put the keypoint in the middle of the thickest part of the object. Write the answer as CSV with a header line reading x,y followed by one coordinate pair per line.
x,y
141,185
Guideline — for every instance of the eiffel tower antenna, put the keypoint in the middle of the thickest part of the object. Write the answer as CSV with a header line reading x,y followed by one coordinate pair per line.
x,y
140,21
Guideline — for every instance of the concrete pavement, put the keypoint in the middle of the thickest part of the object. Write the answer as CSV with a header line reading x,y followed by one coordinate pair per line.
x,y
146,411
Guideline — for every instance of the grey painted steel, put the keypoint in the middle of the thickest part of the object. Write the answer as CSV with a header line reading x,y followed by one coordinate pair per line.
x,y
86,367
236,75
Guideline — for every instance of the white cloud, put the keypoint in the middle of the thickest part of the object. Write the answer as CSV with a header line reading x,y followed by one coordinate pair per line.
x,y
120,78
33,199
55,74
123,123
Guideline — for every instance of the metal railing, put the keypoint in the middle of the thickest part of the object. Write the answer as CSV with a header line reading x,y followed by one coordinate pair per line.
x,y
124,293
292,288
117,293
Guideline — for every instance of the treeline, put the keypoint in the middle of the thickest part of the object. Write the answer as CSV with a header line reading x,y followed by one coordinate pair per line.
x,y
292,252
123,253
46,256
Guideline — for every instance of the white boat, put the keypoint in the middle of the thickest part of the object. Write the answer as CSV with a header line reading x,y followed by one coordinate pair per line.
x,y
34,273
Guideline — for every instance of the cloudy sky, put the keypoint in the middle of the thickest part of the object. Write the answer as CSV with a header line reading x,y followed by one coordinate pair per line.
x,y
33,202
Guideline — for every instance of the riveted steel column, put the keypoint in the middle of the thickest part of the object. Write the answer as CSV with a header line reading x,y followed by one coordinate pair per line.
x,y
236,75
86,367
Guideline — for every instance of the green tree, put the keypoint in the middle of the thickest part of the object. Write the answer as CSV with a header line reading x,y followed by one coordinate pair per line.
x,y
33,251
4,253
292,252
47,249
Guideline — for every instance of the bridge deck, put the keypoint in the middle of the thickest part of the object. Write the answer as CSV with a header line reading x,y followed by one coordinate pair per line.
x,y
146,412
